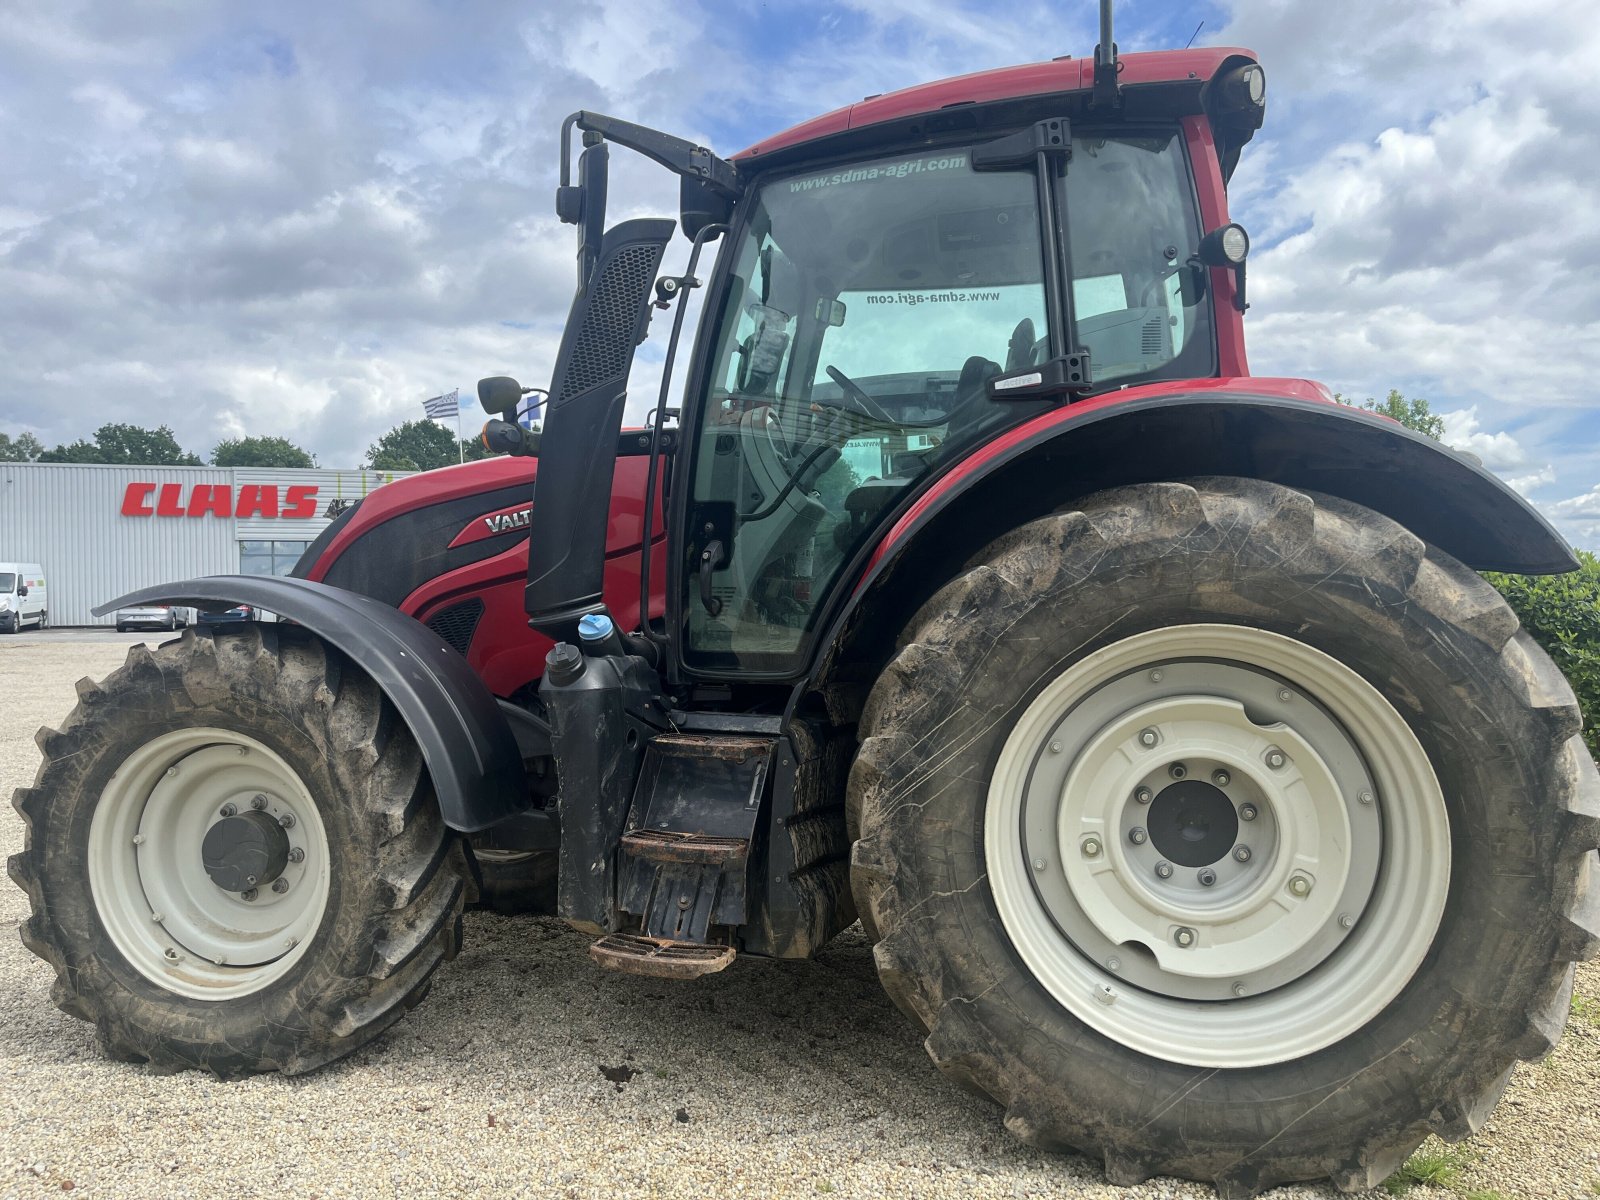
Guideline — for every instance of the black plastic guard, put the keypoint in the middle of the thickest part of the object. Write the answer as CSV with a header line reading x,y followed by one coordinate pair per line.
x,y
566,556
465,739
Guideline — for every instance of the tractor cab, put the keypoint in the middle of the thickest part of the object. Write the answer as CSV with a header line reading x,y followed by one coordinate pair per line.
x,y
896,286
879,317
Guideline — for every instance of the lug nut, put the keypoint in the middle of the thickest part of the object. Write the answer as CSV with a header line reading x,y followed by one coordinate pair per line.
x,y
1299,885
170,954
1091,847
1239,989
228,810
1207,877
1285,695
1275,758
249,894
287,820
1221,778
1177,770
280,885
1113,963
1038,864
138,839
1346,921
258,802
1365,797
1148,737
1142,795
1241,854
1055,747
1183,936
1247,812
1163,870
1138,836
1155,676
296,854
1106,994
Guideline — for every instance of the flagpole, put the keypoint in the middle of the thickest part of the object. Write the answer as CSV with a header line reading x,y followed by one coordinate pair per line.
x,y
461,450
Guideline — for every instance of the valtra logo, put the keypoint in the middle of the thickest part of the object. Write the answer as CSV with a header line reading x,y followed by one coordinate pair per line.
x,y
513,519
218,500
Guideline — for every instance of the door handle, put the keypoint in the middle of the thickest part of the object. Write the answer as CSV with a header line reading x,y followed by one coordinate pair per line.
x,y
711,558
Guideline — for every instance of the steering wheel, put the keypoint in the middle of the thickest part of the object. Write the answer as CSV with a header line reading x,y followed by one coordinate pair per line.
x,y
859,400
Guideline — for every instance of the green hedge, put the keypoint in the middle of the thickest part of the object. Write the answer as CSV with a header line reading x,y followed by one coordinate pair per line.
x,y
1562,612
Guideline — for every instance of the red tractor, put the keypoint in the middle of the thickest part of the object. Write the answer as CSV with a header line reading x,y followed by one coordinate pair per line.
x,y
1205,806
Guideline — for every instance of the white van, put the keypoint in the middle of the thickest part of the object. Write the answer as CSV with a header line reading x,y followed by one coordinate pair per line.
x,y
22,596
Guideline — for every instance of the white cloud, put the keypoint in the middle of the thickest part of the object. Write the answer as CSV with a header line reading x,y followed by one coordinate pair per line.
x,y
1500,452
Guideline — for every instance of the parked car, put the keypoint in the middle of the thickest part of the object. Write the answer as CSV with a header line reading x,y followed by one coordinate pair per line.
x,y
240,612
152,616
23,600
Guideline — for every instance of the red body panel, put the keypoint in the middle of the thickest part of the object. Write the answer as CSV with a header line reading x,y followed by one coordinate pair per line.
x,y
1061,75
504,651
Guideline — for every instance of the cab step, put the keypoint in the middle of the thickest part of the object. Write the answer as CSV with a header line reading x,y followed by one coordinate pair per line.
x,y
671,846
659,958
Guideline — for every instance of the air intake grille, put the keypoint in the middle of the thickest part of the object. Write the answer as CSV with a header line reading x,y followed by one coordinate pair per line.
x,y
457,623
605,339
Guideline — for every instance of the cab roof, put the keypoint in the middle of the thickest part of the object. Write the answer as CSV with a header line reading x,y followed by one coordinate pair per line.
x,y
1057,76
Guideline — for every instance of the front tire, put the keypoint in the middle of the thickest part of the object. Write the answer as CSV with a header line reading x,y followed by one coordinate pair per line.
x,y
265,738
1097,700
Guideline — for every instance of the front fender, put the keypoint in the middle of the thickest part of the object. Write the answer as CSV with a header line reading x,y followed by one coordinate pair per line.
x,y
1281,431
466,741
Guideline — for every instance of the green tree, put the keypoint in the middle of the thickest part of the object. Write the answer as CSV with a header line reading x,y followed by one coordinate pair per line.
x,y
125,445
24,448
260,452
1562,614
420,446
1413,414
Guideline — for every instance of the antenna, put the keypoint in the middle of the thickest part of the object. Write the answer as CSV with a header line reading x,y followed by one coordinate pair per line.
x,y
1194,35
1106,66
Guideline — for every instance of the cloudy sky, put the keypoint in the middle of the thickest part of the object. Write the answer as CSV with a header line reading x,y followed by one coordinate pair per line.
x,y
300,219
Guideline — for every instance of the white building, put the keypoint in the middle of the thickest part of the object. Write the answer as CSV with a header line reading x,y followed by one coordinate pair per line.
x,y
100,531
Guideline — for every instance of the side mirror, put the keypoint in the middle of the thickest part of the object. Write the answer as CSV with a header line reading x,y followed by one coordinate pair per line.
x,y
500,393
22,589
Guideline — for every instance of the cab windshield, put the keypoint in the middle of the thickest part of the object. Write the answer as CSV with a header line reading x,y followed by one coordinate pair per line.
x,y
868,307
8,583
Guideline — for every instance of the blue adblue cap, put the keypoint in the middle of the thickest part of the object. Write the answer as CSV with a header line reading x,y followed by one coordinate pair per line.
x,y
595,627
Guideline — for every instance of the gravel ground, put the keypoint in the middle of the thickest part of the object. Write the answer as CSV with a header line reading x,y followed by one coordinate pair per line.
x,y
527,1072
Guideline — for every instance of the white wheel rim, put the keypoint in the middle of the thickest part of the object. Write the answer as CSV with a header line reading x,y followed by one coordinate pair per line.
x,y
176,926
1277,956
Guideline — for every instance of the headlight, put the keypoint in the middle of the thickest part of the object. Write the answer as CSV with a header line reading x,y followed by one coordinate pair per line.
x,y
1225,246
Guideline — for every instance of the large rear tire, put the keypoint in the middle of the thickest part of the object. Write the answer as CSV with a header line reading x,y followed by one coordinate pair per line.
x,y
260,751
1063,763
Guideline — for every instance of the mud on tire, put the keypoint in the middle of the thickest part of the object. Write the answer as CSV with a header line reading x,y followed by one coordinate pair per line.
x,y
391,892
1496,721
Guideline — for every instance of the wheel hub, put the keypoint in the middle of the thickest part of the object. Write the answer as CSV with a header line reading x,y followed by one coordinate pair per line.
x,y
245,851
1193,823
1216,814
209,863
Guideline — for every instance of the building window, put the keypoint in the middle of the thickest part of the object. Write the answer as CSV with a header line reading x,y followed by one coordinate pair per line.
x,y
269,558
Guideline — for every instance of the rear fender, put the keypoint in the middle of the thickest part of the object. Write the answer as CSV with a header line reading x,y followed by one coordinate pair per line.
x,y
465,739
1282,431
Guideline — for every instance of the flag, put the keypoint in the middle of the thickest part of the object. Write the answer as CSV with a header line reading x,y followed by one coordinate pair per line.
x,y
530,413
447,405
